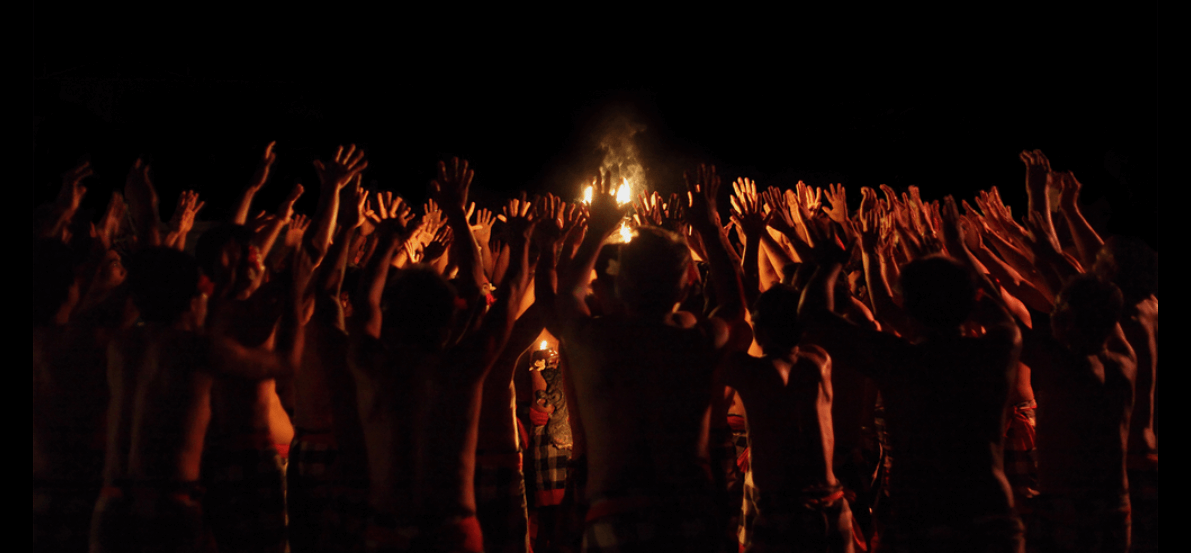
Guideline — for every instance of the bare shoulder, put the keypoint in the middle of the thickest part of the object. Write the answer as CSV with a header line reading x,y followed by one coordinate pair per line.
x,y
683,319
814,353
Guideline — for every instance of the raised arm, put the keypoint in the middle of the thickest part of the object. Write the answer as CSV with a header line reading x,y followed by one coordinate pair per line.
x,y
1087,241
142,205
604,216
747,216
69,197
451,186
183,219
329,282
1037,173
259,178
333,176
489,340
705,220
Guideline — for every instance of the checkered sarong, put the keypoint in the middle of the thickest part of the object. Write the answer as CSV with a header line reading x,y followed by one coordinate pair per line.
x,y
1021,463
245,500
815,522
327,512
679,524
548,467
1070,523
728,480
500,503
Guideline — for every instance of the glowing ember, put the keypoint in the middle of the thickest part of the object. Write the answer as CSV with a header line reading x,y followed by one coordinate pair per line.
x,y
624,194
543,345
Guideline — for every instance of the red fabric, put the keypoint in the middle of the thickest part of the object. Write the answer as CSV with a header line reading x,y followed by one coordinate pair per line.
x,y
1020,431
538,417
736,422
282,450
549,497
743,460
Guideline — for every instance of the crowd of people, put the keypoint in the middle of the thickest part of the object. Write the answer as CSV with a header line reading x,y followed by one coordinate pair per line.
x,y
722,370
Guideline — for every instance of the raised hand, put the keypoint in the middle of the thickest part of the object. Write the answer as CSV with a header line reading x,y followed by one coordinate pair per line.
x,y
482,230
335,174
1068,191
838,198
297,229
810,198
868,200
519,215
702,191
261,176
831,244
1037,169
183,218
72,191
452,183
747,212
604,213
438,245
674,215
142,203
647,209
109,225
870,230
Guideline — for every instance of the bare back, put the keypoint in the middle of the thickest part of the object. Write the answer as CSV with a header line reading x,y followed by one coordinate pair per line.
x,y
160,405
644,391
789,402
1084,404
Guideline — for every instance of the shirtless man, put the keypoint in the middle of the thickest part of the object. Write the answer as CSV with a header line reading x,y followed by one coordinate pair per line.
x,y
72,322
1133,267
242,469
431,350
788,395
945,399
160,377
1083,377
326,477
645,380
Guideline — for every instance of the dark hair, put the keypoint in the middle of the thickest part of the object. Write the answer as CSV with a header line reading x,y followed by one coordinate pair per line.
x,y
775,319
162,282
1131,265
53,275
1086,311
418,306
937,291
652,270
209,247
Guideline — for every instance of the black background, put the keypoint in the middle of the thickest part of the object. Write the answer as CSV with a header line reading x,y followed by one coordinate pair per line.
x,y
938,98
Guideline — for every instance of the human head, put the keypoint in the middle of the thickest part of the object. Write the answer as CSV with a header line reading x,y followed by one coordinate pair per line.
x,y
163,281
1131,265
419,307
937,292
220,250
651,273
775,320
1086,311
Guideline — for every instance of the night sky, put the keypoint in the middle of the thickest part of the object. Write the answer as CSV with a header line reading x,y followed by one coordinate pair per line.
x,y
941,100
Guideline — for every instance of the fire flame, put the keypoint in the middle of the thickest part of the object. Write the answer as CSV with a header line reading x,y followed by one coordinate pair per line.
x,y
624,194
543,345
626,233
587,192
